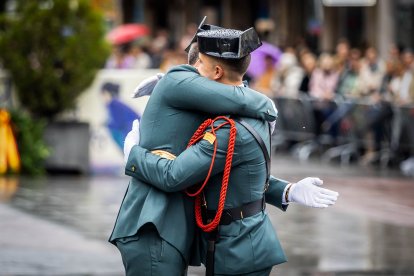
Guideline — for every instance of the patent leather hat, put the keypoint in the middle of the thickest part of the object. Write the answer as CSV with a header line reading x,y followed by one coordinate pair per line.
x,y
228,43
201,28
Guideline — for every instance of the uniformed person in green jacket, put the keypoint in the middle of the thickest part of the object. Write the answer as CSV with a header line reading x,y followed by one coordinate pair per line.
x,y
247,243
154,230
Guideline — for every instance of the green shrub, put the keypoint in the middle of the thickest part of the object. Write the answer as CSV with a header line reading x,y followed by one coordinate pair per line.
x,y
52,50
29,138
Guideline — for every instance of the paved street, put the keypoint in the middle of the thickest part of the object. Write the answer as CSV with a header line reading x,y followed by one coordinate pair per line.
x,y
59,225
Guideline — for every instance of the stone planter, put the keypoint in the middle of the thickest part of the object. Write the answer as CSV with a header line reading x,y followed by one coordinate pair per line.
x,y
69,146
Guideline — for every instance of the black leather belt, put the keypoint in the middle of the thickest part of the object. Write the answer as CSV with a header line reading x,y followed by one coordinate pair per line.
x,y
244,211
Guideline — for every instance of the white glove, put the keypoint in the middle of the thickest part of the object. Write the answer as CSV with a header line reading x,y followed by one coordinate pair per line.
x,y
146,86
272,124
131,139
307,192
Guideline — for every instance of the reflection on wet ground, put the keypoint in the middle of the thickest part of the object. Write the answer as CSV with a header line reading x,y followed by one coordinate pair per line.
x,y
88,204
370,231
335,241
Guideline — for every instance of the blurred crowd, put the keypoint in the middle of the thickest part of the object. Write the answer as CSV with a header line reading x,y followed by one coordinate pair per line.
x,y
349,73
157,52
334,84
353,96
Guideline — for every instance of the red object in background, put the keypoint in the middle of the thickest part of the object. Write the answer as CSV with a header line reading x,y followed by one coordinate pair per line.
x,y
126,33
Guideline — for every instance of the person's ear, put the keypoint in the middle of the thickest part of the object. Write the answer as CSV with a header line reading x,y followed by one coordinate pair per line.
x,y
197,63
218,72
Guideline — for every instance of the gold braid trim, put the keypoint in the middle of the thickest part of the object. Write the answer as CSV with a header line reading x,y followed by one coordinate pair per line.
x,y
164,154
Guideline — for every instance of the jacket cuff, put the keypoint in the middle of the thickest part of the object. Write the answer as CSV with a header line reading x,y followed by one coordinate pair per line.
x,y
274,194
131,167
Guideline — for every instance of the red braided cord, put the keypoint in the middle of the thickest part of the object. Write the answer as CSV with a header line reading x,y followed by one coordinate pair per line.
x,y
226,174
199,132
196,137
201,187
190,191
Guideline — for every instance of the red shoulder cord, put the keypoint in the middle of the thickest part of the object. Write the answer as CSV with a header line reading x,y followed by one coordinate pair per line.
x,y
226,174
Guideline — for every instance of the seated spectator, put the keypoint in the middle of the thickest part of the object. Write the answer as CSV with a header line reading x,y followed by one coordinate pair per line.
x,y
394,52
322,88
288,76
376,118
405,93
342,52
372,70
350,89
391,80
376,126
350,85
361,84
324,79
263,82
308,62
402,88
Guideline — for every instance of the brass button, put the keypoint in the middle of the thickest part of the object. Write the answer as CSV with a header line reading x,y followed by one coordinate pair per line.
x,y
133,168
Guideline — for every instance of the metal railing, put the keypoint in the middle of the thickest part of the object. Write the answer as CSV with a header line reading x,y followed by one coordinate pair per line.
x,y
297,128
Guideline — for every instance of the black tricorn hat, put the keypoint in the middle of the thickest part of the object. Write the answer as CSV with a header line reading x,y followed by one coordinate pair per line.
x,y
228,43
201,28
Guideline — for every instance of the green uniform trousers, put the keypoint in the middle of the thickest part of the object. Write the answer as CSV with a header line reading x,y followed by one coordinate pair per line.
x,y
147,254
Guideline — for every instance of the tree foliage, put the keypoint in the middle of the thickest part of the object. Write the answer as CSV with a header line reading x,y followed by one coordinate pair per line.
x,y
52,50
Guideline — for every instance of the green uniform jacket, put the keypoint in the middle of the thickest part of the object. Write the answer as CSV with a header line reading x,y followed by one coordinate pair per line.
x,y
174,111
245,245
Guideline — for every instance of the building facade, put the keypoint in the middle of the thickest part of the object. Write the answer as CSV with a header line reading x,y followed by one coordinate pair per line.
x,y
319,24
286,22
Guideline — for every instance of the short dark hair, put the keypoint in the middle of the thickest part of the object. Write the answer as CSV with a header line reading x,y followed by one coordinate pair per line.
x,y
111,88
234,66
193,54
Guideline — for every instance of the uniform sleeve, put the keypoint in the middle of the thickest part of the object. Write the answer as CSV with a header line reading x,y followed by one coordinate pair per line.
x,y
275,191
189,168
190,91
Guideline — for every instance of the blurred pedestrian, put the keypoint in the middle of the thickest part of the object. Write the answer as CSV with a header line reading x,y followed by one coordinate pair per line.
x,y
159,45
120,59
170,59
186,39
141,59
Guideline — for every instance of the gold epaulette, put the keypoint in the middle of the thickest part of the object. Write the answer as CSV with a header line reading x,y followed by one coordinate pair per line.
x,y
210,137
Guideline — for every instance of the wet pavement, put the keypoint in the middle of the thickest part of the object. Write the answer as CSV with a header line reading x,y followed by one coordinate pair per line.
x,y
59,225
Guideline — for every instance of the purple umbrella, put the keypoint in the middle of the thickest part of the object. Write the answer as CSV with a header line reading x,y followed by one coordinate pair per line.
x,y
257,64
